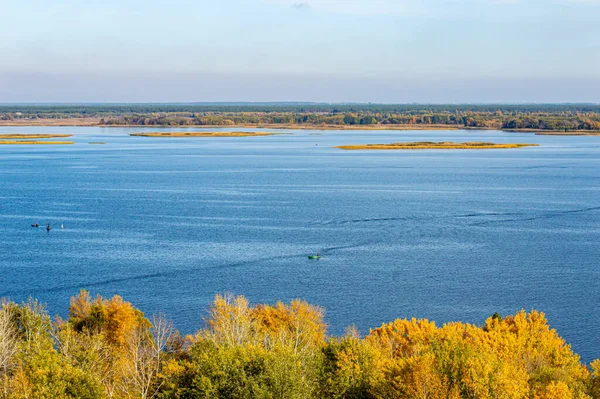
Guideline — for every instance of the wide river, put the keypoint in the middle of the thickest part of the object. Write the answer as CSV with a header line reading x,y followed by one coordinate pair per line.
x,y
446,235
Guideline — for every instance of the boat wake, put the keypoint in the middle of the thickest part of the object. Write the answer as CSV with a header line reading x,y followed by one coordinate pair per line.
x,y
170,273
547,215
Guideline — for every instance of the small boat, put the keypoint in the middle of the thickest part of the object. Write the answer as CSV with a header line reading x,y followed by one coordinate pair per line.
x,y
316,256
48,227
35,225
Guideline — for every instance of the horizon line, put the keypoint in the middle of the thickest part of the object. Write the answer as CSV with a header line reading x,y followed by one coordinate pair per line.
x,y
76,103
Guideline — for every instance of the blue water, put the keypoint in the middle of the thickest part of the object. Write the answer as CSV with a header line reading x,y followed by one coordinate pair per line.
x,y
168,223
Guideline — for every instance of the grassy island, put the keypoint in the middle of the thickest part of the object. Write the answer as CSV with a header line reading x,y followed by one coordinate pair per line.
x,y
34,142
32,139
201,134
428,145
33,136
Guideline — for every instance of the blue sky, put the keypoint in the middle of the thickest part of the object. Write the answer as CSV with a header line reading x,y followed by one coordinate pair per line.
x,y
291,50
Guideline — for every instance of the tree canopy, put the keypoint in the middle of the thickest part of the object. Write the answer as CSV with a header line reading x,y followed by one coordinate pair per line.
x,y
109,349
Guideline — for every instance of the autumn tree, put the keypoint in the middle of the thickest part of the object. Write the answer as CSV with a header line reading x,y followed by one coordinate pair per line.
x,y
146,351
38,369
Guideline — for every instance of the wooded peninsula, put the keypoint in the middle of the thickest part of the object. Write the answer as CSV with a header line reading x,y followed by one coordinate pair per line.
x,y
556,118
107,348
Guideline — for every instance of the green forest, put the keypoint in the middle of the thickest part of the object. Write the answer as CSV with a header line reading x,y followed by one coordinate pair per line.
x,y
107,348
550,117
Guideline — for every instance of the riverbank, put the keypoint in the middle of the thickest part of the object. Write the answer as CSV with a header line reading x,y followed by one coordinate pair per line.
x,y
94,121
66,122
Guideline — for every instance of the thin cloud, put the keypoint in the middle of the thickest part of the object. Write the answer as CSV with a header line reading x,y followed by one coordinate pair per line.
x,y
301,6
426,8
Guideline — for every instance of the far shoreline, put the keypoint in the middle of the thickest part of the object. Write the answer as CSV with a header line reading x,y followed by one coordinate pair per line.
x,y
95,122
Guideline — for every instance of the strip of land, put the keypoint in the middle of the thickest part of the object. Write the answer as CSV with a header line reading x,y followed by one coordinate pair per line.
x,y
202,134
33,136
427,145
568,133
79,121
73,122
323,127
560,119
34,142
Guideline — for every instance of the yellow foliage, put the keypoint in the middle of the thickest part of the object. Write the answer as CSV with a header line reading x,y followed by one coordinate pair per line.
x,y
233,322
230,321
528,341
114,317
510,358
121,320
404,337
595,380
298,324
108,348
554,390
417,377
80,307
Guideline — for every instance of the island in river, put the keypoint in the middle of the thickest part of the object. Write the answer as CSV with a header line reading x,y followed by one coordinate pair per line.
x,y
33,136
202,134
428,145
34,142
32,139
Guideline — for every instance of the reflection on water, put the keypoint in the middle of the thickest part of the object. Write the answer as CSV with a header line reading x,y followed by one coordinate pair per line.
x,y
167,223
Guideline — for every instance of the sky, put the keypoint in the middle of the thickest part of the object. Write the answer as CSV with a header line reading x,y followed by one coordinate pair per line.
x,y
385,51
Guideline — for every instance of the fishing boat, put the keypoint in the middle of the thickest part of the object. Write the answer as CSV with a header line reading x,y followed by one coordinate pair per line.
x,y
316,256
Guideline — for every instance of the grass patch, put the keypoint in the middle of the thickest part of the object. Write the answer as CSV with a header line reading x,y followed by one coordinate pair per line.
x,y
202,134
428,145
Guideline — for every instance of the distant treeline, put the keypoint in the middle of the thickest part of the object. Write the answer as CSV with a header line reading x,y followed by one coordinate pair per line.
x,y
109,349
557,117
